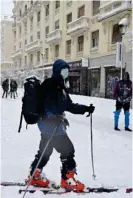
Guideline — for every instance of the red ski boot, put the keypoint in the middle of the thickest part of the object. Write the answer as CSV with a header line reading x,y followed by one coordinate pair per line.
x,y
71,183
39,179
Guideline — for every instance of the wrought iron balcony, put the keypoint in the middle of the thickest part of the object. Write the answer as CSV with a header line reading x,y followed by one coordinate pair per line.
x,y
78,26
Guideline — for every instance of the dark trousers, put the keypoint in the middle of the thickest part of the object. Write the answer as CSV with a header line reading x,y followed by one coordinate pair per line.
x,y
62,145
125,106
5,93
12,94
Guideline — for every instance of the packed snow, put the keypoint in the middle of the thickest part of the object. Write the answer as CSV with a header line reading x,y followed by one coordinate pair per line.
x,y
112,149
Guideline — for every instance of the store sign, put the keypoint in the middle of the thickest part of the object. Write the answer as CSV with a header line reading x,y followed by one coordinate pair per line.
x,y
85,62
120,55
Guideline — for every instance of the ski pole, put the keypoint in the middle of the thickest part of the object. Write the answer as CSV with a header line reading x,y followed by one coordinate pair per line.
x,y
20,124
94,176
48,142
90,114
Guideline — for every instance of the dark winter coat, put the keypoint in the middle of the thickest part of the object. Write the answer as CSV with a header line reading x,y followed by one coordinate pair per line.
x,y
55,101
123,90
5,85
13,86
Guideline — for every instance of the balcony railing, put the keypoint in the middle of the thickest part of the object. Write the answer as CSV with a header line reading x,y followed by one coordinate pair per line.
x,y
53,36
113,8
17,53
33,46
78,26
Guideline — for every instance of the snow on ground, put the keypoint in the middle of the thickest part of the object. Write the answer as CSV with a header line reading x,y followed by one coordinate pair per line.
x,y
112,149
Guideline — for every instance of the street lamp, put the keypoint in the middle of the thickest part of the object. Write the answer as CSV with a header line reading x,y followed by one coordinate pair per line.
x,y
122,27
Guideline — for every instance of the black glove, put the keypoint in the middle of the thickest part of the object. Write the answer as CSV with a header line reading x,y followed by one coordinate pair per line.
x,y
90,109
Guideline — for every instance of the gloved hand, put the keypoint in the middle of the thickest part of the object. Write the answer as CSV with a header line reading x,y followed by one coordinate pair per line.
x,y
90,109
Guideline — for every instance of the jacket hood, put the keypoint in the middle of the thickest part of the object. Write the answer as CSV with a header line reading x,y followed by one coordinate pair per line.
x,y
126,76
58,66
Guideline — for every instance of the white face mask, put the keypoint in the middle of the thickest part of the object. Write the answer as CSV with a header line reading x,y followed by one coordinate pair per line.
x,y
64,73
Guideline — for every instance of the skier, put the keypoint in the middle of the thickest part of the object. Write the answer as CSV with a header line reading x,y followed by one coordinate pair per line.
x,y
55,101
123,96
5,86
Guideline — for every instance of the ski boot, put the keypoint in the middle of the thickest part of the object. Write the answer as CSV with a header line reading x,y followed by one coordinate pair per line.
x,y
39,179
71,183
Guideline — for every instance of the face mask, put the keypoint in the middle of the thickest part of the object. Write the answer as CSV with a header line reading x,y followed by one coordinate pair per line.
x,y
64,73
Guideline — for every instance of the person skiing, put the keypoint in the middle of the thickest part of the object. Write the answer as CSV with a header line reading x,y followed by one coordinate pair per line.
x,y
55,100
5,86
123,96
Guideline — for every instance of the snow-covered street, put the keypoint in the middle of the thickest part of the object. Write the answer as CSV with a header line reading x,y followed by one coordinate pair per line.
x,y
112,149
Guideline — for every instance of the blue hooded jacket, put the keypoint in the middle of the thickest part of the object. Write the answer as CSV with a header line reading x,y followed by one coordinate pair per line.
x,y
56,101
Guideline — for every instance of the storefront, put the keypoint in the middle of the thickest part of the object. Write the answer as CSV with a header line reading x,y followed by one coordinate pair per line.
x,y
94,82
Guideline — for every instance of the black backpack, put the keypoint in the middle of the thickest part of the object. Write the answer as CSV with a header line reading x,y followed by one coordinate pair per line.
x,y
30,101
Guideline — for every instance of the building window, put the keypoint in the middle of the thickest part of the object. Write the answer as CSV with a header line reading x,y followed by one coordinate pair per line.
x,y
95,7
31,2
38,56
31,59
25,27
25,8
31,38
25,41
57,25
81,11
116,34
20,13
31,23
80,44
25,60
15,35
46,54
47,10
69,18
56,51
20,62
38,35
57,4
95,38
20,30
20,45
38,16
68,47
46,31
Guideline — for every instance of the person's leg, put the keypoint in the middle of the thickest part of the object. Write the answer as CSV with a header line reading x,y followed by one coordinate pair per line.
x,y
14,94
46,156
117,114
126,108
39,178
64,146
3,93
6,94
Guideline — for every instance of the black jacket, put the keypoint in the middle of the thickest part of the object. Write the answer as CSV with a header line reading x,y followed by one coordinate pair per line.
x,y
55,99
